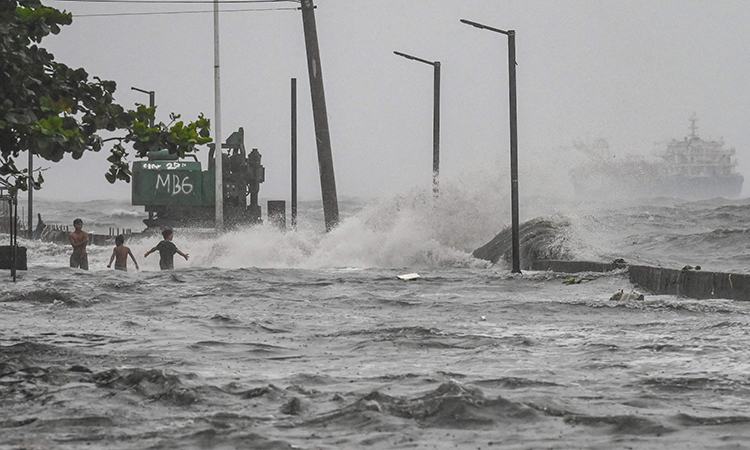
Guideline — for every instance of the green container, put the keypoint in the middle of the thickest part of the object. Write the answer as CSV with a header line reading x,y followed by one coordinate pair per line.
x,y
171,183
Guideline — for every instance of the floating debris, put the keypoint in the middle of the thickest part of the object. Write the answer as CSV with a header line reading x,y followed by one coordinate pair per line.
x,y
625,296
408,276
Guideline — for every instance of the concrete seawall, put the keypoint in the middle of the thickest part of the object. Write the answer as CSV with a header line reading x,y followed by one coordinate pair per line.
x,y
659,280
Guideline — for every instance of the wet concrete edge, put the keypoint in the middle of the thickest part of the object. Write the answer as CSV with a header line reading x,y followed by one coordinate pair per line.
x,y
686,282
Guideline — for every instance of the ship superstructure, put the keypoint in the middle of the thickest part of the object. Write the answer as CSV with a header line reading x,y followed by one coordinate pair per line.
x,y
691,168
694,157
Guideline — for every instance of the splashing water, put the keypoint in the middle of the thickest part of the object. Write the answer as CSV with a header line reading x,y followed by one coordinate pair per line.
x,y
416,229
419,230
305,339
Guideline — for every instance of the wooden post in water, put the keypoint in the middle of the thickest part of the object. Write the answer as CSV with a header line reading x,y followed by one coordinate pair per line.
x,y
276,211
320,117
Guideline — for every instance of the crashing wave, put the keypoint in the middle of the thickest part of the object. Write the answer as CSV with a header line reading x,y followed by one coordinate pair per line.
x,y
540,238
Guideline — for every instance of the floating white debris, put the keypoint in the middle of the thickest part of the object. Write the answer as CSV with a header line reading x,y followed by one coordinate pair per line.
x,y
408,276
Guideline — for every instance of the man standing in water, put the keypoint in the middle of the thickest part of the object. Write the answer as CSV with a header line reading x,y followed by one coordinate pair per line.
x,y
79,239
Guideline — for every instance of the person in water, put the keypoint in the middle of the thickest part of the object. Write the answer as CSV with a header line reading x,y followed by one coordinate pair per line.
x,y
120,255
167,249
79,239
40,226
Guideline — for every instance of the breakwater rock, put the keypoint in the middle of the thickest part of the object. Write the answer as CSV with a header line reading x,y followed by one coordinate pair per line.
x,y
538,239
543,246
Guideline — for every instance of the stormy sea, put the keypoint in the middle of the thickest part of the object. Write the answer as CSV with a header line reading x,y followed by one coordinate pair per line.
x,y
280,339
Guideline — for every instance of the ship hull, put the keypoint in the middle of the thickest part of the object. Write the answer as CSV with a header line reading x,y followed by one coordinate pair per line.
x,y
700,187
689,188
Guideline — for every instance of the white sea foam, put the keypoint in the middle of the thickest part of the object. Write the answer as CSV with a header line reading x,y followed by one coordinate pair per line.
x,y
415,229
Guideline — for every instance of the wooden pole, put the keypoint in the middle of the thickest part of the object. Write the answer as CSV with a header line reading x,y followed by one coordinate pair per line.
x,y
320,117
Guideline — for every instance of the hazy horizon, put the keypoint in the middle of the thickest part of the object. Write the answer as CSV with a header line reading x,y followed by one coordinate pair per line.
x,y
628,72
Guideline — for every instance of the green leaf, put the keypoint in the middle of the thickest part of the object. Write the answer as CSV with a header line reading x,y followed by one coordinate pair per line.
x,y
54,110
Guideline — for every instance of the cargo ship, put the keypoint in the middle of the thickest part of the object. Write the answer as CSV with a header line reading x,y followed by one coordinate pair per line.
x,y
691,168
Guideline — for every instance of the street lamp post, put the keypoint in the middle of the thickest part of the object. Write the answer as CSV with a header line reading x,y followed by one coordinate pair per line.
x,y
218,155
151,100
294,153
513,138
435,118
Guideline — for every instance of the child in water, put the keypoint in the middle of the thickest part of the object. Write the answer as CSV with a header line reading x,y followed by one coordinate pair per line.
x,y
166,251
120,255
79,239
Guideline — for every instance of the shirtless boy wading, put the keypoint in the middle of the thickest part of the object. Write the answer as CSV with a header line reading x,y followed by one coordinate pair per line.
x,y
79,239
120,255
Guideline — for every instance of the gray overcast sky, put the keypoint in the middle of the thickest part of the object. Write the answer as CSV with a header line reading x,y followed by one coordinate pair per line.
x,y
631,72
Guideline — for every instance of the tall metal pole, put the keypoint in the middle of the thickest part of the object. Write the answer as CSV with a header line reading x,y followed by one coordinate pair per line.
x,y
294,153
435,118
151,104
151,101
14,238
513,151
320,117
436,131
515,246
218,155
10,232
31,194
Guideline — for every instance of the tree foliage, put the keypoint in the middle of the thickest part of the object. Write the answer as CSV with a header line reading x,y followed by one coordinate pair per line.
x,y
51,109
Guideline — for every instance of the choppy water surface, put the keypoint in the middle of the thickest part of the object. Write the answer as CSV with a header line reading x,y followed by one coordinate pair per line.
x,y
298,352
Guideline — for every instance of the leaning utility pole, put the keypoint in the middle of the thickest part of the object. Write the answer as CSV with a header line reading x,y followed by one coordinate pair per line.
x,y
320,117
